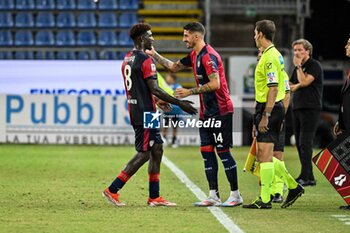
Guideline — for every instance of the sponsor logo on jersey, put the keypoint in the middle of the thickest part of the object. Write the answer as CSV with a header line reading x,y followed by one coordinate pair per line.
x,y
281,59
153,67
271,77
269,65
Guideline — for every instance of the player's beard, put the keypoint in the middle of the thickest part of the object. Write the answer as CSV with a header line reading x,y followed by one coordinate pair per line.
x,y
148,46
190,45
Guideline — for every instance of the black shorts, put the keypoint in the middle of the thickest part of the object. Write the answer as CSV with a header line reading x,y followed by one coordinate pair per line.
x,y
279,146
274,125
146,138
220,137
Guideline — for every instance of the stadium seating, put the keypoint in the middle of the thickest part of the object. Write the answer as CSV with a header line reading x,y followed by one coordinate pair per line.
x,y
65,38
86,5
25,4
128,4
86,19
108,5
45,4
45,55
65,23
24,19
109,55
107,38
5,55
45,19
121,55
127,19
86,38
124,39
6,20
22,55
87,55
6,38
65,56
65,19
65,4
7,4
44,38
24,38
107,19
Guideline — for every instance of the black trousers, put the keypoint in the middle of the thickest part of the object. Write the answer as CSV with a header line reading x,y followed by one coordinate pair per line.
x,y
305,123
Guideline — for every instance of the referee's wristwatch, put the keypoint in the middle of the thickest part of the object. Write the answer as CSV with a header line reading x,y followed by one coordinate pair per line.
x,y
298,67
267,114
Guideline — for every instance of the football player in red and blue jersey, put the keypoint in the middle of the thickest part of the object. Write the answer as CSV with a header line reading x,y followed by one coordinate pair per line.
x,y
215,103
140,79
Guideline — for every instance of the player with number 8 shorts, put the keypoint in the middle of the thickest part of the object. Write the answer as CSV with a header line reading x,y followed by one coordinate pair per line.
x,y
140,79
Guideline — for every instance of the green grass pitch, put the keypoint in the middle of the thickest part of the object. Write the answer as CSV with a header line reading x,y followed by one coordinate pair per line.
x,y
58,189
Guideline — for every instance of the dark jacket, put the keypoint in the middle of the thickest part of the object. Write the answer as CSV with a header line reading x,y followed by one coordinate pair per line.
x,y
344,110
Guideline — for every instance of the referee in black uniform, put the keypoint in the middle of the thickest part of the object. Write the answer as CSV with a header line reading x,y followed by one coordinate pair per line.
x,y
307,88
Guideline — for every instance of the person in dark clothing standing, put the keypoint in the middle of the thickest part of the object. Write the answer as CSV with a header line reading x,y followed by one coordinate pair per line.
x,y
343,123
307,88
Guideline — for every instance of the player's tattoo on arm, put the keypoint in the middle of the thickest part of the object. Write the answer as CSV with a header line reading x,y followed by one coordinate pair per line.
x,y
208,87
170,65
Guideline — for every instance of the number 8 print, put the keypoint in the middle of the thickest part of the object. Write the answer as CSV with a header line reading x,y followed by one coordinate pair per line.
x,y
127,75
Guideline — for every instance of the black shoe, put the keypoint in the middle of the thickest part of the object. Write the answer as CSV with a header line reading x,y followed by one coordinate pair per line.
x,y
258,204
277,198
304,183
346,207
293,195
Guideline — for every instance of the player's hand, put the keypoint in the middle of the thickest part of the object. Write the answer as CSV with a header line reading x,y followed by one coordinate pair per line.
x,y
294,87
182,93
254,132
336,129
263,124
150,52
164,106
186,105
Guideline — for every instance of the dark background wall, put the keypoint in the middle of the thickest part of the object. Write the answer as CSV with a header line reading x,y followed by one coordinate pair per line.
x,y
328,28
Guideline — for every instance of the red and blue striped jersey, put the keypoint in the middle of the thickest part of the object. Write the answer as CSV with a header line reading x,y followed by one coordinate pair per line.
x,y
208,61
137,67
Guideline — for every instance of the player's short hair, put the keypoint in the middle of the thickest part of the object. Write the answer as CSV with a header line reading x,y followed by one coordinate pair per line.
x,y
138,30
307,45
267,27
195,27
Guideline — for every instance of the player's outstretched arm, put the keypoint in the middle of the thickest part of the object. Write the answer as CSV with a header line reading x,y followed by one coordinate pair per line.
x,y
161,94
212,85
170,65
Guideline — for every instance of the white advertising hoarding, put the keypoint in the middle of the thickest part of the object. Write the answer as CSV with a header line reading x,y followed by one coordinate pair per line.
x,y
76,119
61,77
74,102
242,70
65,119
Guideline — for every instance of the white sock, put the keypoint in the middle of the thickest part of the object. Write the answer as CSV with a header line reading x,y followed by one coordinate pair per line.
x,y
212,193
235,194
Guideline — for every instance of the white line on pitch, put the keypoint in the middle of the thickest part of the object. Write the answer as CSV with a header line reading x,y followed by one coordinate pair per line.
x,y
217,212
344,218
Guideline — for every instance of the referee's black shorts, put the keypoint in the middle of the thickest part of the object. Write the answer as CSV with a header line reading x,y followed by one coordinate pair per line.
x,y
279,146
274,125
